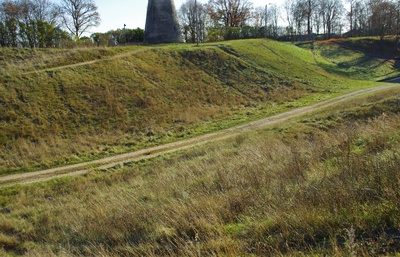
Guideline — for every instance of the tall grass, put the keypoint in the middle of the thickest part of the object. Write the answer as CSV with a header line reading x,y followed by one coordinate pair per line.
x,y
157,95
295,190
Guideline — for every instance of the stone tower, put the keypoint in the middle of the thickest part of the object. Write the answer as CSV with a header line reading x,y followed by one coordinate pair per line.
x,y
161,23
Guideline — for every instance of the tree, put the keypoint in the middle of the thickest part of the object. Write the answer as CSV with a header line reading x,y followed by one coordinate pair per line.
x,y
299,15
231,13
318,15
229,16
350,14
44,10
12,29
360,11
309,4
384,18
118,37
9,10
289,12
28,23
192,17
3,35
79,16
258,17
103,39
271,20
331,11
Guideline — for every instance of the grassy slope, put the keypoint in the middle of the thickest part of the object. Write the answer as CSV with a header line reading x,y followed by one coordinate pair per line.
x,y
16,60
360,58
325,184
320,185
75,114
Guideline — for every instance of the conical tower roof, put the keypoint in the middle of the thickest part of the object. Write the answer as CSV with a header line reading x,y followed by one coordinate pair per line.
x,y
162,23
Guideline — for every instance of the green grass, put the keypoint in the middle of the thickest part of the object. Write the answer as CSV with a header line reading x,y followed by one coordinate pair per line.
x,y
359,58
300,189
17,60
71,115
322,184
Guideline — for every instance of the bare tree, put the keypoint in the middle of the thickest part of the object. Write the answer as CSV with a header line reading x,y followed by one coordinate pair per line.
x,y
192,17
79,15
289,10
360,10
300,12
350,14
258,17
44,10
30,10
384,18
363,12
272,19
309,10
318,14
331,11
9,10
231,13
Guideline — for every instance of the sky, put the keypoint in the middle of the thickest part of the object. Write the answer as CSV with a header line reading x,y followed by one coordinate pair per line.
x,y
115,13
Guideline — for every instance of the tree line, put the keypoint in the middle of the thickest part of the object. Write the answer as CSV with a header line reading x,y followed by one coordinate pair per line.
x,y
303,19
118,37
42,23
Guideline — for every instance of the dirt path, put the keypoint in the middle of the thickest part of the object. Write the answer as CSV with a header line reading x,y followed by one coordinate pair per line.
x,y
88,62
105,163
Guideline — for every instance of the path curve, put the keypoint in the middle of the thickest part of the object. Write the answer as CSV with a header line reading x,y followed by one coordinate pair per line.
x,y
114,161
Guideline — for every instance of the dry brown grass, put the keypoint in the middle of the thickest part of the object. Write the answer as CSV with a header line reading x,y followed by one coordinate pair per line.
x,y
294,190
54,117
324,185
17,60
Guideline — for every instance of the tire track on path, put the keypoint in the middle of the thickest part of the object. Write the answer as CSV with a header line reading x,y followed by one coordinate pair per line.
x,y
109,162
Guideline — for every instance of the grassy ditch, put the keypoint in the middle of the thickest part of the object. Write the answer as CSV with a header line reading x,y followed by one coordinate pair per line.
x,y
359,58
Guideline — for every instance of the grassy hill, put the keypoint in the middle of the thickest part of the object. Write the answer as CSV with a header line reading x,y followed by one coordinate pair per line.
x,y
324,184
157,94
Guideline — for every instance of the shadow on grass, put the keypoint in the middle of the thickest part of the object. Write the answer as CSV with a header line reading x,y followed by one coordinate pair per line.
x,y
361,58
